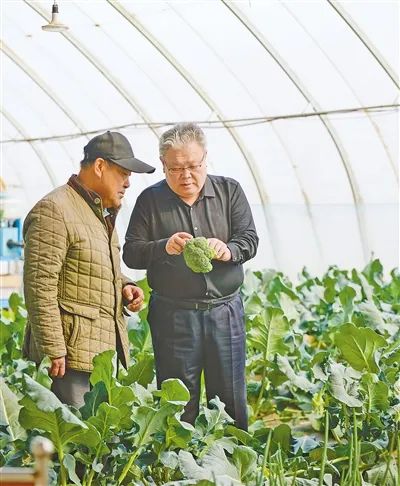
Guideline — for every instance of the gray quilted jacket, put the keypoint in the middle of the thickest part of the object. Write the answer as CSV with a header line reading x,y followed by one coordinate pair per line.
x,y
72,281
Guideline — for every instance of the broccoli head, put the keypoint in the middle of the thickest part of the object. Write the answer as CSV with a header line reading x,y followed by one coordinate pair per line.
x,y
198,255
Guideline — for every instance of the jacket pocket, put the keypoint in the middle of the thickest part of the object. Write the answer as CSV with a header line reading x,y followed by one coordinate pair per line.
x,y
74,318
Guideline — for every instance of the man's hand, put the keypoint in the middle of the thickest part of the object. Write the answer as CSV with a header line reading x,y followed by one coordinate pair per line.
x,y
177,242
220,248
134,295
57,367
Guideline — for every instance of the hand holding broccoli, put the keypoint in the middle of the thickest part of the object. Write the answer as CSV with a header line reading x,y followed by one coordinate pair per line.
x,y
198,255
223,253
197,252
176,243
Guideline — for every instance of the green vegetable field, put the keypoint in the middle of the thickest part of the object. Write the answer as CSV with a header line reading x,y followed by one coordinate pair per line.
x,y
323,369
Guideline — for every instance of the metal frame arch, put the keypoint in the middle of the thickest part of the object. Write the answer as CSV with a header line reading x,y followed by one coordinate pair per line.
x,y
37,151
347,83
307,96
211,104
44,87
367,43
41,84
285,148
131,58
100,68
21,185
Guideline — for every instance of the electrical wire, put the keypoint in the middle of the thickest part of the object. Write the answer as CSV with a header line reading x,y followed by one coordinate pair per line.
x,y
236,122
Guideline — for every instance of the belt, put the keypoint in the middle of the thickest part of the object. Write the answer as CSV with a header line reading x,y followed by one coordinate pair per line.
x,y
189,305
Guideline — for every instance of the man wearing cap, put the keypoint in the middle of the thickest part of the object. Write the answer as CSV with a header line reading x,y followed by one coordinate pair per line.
x,y
196,320
73,285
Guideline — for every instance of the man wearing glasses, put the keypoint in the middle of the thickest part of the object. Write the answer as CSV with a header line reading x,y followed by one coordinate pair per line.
x,y
196,319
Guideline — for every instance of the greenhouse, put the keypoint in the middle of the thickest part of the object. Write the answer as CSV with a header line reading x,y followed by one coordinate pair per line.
x,y
233,316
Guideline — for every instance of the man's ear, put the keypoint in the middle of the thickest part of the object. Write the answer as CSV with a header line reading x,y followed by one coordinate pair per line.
x,y
98,166
163,164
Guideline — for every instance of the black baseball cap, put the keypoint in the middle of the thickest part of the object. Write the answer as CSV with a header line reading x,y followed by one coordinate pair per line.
x,y
115,147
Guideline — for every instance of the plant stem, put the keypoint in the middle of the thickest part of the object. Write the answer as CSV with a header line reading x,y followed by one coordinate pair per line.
x,y
398,454
391,448
264,462
350,444
63,476
128,465
263,385
355,474
324,451
281,471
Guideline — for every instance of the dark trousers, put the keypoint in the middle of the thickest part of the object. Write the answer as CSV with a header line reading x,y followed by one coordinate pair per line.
x,y
71,388
186,342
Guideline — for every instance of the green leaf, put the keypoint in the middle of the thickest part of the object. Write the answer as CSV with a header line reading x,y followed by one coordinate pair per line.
x,y
215,415
105,422
358,346
104,369
268,332
97,395
276,286
151,420
281,436
6,331
377,393
305,444
251,283
89,437
243,436
330,291
69,463
299,381
9,411
141,372
393,357
245,460
374,271
376,474
122,398
43,410
216,461
367,288
143,396
15,301
190,469
289,308
253,305
174,391
42,375
178,433
373,318
342,383
169,459
140,337
346,297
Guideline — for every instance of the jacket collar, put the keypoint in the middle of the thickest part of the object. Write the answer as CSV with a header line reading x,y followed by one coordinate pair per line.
x,y
93,199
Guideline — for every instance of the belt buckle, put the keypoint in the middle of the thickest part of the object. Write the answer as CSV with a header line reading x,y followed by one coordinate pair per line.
x,y
203,306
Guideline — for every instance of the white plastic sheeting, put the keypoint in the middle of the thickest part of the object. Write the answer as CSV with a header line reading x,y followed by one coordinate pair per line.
x,y
323,188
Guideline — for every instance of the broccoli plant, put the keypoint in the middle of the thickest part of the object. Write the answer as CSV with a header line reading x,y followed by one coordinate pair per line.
x,y
198,255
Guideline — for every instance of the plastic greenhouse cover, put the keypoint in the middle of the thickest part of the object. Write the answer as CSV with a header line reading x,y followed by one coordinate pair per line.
x,y
323,188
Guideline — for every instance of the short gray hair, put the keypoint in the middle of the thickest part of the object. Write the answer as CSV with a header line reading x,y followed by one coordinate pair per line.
x,y
181,134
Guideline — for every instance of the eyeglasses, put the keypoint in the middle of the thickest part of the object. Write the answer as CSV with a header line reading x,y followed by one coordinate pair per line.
x,y
191,168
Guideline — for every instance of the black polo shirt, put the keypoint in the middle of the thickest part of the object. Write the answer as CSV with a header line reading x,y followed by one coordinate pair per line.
x,y
221,211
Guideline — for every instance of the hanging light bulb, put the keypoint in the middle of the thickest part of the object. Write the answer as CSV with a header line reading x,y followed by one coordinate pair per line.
x,y
55,25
